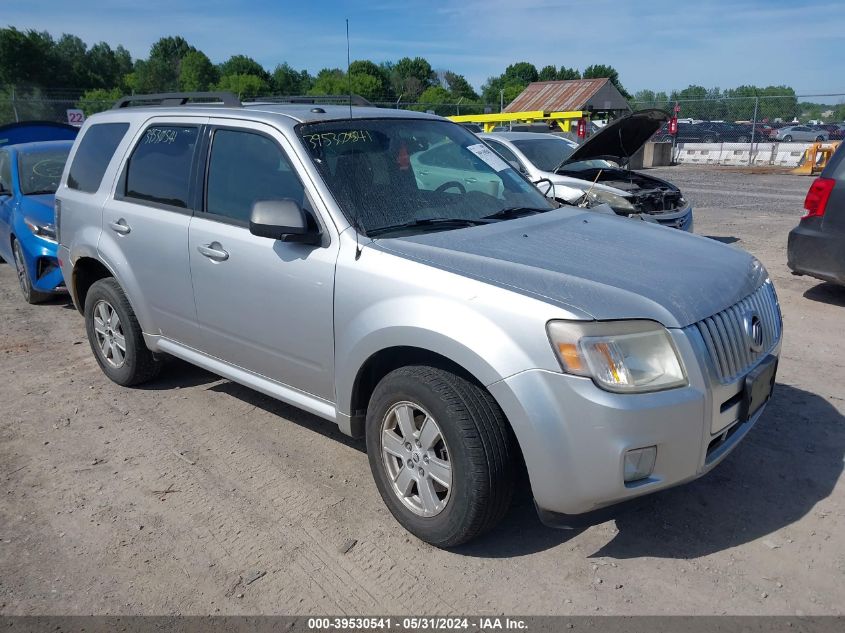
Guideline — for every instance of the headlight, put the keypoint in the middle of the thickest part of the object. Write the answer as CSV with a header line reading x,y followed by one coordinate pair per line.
x,y
619,203
620,356
41,229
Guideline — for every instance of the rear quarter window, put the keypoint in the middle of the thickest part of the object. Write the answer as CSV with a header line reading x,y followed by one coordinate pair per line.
x,y
93,155
159,169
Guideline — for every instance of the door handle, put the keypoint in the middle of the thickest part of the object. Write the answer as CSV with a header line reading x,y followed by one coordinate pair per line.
x,y
470,179
213,251
120,227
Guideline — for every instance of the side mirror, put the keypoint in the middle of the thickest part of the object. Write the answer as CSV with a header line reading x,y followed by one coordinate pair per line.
x,y
283,220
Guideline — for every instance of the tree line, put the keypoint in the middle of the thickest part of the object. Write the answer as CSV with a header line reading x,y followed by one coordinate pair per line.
x,y
36,65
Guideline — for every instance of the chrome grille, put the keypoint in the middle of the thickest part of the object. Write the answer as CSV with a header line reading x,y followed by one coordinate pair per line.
x,y
725,334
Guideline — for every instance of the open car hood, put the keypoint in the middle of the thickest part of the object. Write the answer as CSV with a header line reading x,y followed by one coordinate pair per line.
x,y
621,138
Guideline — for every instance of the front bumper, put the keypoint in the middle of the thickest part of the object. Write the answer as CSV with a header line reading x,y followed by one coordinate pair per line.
x,y
682,219
42,263
574,436
816,252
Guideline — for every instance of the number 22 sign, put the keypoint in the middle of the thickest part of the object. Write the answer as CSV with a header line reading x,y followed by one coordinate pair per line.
x,y
75,117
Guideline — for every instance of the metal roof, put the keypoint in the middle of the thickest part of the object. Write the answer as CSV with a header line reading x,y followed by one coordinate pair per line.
x,y
569,95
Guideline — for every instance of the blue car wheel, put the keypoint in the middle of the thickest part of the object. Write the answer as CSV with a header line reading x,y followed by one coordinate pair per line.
x,y
30,295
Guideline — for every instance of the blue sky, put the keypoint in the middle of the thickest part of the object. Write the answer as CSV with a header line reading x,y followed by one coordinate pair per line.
x,y
660,44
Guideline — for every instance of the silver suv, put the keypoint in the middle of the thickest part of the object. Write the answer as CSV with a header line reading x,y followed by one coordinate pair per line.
x,y
389,272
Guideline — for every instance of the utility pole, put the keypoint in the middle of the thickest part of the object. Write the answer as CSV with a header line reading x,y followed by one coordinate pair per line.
x,y
501,100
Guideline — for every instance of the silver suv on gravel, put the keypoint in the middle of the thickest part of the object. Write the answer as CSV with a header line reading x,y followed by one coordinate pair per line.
x,y
387,271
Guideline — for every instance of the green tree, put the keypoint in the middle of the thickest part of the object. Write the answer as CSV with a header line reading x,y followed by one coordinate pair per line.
x,y
106,67
72,63
160,71
409,77
329,81
287,81
602,71
243,65
521,72
366,67
459,87
197,73
98,100
26,58
433,98
244,86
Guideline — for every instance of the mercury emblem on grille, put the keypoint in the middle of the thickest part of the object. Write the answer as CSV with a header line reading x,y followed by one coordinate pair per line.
x,y
753,331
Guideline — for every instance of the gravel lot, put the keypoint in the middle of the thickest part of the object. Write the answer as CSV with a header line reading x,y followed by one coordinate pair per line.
x,y
194,495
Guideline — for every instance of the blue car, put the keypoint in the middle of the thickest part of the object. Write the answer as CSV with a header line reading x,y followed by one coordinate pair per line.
x,y
29,176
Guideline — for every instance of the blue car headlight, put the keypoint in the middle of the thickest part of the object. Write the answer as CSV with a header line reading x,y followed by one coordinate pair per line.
x,y
44,230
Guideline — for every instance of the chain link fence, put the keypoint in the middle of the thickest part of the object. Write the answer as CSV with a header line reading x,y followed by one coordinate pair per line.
x,y
755,130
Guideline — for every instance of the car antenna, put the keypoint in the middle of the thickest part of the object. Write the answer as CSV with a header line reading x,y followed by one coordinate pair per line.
x,y
357,226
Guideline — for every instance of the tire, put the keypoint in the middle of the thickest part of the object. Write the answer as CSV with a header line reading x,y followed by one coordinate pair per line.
x,y
30,294
475,443
666,139
787,138
708,139
819,139
742,139
131,364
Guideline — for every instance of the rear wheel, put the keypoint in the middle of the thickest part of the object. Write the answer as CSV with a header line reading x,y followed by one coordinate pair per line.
x,y
709,139
788,138
441,454
30,294
819,139
115,335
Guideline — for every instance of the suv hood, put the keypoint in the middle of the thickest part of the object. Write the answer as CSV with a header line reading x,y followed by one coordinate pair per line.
x,y
622,138
599,266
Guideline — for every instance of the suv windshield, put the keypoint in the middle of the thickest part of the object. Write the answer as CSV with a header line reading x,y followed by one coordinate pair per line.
x,y
406,174
40,172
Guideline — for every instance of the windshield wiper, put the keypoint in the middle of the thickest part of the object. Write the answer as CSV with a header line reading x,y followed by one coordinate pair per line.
x,y
425,222
513,212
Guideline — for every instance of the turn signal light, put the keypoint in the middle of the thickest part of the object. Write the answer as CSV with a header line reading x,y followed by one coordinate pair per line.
x,y
817,197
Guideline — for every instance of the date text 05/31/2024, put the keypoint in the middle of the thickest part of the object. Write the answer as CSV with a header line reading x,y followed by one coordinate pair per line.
x,y
416,623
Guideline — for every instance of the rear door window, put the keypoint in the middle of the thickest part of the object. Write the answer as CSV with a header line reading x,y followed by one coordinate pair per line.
x,y
94,154
159,170
245,167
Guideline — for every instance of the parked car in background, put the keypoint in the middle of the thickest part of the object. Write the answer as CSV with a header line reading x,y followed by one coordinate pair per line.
x,y
594,173
29,176
816,247
707,132
800,133
835,132
442,307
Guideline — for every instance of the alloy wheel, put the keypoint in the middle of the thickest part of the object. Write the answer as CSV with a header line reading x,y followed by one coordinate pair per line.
x,y
416,458
109,331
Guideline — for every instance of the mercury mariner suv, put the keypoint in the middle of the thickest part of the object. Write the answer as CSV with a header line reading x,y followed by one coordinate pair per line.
x,y
463,323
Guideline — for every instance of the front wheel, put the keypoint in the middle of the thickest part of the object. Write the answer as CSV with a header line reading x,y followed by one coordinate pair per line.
x,y
30,294
115,335
441,454
819,139
787,138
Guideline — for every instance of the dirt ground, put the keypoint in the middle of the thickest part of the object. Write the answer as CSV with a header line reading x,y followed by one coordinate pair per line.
x,y
194,495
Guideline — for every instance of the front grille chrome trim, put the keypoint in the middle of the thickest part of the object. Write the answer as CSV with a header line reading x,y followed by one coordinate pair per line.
x,y
726,341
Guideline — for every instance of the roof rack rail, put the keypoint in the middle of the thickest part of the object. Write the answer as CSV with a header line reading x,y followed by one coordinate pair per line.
x,y
227,99
356,100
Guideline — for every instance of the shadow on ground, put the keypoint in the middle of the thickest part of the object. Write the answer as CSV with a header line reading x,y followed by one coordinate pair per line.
x,y
827,293
723,239
790,461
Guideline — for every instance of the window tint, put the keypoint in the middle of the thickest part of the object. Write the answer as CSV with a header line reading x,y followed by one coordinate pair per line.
x,y
245,167
5,171
93,155
160,167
